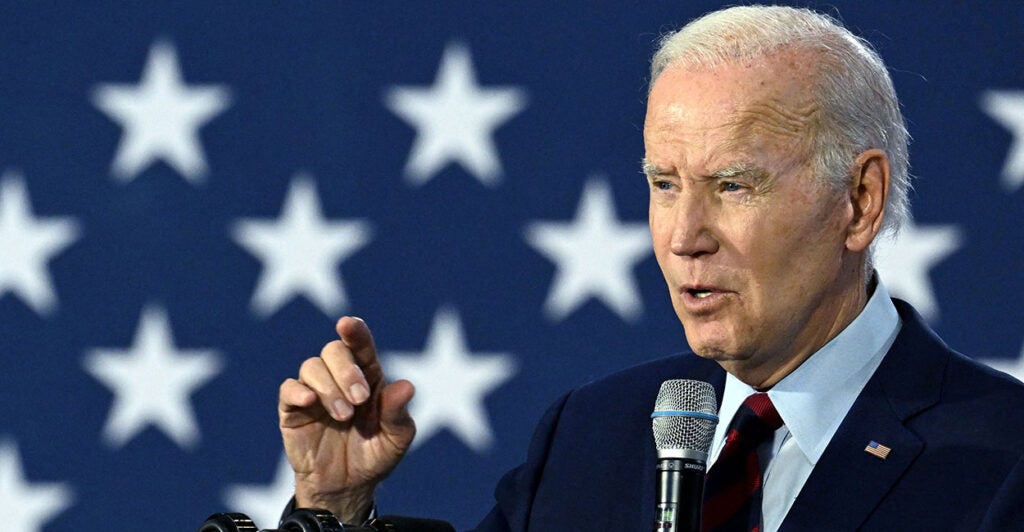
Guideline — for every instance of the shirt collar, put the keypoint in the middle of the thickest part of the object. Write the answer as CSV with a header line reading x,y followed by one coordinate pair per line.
x,y
814,398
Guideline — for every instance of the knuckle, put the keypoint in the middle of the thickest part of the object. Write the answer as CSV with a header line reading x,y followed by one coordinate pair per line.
x,y
293,394
310,366
351,374
332,350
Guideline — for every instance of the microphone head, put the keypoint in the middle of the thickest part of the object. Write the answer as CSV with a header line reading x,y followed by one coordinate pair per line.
x,y
685,416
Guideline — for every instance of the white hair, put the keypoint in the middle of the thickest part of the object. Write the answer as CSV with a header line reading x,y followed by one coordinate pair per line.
x,y
857,101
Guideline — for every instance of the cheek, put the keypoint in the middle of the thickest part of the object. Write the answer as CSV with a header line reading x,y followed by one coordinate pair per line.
x,y
793,254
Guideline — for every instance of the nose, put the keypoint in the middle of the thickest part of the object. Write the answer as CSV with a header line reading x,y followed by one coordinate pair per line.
x,y
692,225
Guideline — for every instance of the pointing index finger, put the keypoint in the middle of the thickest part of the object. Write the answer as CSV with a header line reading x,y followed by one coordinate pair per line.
x,y
356,336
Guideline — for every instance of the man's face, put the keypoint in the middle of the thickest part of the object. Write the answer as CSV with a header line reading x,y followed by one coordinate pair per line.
x,y
752,245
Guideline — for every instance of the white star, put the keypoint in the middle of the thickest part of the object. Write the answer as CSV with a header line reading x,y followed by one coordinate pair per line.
x,y
27,244
1007,108
301,252
152,382
161,117
27,507
595,255
263,503
455,120
451,383
905,262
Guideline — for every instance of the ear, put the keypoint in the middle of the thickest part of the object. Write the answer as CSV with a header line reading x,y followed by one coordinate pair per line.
x,y
868,191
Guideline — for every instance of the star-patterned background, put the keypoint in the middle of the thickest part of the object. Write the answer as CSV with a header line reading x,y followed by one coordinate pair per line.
x,y
191,193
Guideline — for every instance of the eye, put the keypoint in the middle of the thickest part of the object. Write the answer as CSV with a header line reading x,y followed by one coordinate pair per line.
x,y
661,184
731,186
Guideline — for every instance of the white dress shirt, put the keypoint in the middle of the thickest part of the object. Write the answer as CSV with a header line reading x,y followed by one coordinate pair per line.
x,y
812,401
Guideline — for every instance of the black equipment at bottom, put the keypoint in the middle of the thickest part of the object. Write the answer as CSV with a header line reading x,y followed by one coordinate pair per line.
x,y
301,520
316,520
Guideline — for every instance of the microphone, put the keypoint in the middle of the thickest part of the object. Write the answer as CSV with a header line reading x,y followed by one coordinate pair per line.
x,y
685,416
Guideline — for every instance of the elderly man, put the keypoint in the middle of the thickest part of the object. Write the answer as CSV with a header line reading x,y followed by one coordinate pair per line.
x,y
776,155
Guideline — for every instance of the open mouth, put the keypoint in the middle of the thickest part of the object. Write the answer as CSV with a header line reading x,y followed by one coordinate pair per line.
x,y
698,293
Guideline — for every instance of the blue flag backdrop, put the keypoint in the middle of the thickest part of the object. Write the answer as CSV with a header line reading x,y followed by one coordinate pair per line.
x,y
193,192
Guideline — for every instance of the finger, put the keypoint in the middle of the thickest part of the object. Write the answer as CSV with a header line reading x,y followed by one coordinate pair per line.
x,y
356,336
297,404
317,377
395,420
293,395
347,375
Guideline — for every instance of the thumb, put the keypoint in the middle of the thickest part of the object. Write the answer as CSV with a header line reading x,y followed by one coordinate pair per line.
x,y
395,420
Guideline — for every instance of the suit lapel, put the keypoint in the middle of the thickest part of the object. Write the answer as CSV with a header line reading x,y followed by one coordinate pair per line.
x,y
848,483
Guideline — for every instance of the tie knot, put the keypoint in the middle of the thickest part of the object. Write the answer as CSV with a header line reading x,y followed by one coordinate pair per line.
x,y
760,406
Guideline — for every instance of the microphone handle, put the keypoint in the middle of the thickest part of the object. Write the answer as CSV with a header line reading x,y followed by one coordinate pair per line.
x,y
679,495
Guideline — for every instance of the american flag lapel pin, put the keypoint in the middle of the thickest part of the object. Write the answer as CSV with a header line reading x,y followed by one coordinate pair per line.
x,y
877,449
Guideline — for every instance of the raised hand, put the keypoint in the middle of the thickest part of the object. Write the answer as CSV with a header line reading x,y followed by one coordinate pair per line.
x,y
344,427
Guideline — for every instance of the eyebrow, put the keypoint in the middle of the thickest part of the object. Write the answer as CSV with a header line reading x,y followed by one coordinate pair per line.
x,y
735,170
649,169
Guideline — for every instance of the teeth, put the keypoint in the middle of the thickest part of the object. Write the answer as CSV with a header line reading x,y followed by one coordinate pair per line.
x,y
701,294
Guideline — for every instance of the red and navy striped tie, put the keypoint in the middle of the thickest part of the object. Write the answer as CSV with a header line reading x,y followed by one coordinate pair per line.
x,y
732,493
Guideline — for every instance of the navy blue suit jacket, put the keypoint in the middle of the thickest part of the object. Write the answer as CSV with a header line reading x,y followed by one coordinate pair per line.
x,y
956,429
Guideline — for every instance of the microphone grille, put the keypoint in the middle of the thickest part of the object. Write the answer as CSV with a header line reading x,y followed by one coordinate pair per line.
x,y
685,416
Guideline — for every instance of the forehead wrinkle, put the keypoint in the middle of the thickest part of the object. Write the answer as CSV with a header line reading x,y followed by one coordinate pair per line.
x,y
776,119
791,129
738,135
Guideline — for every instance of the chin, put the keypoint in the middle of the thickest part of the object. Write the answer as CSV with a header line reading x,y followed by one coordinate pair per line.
x,y
713,351
710,340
